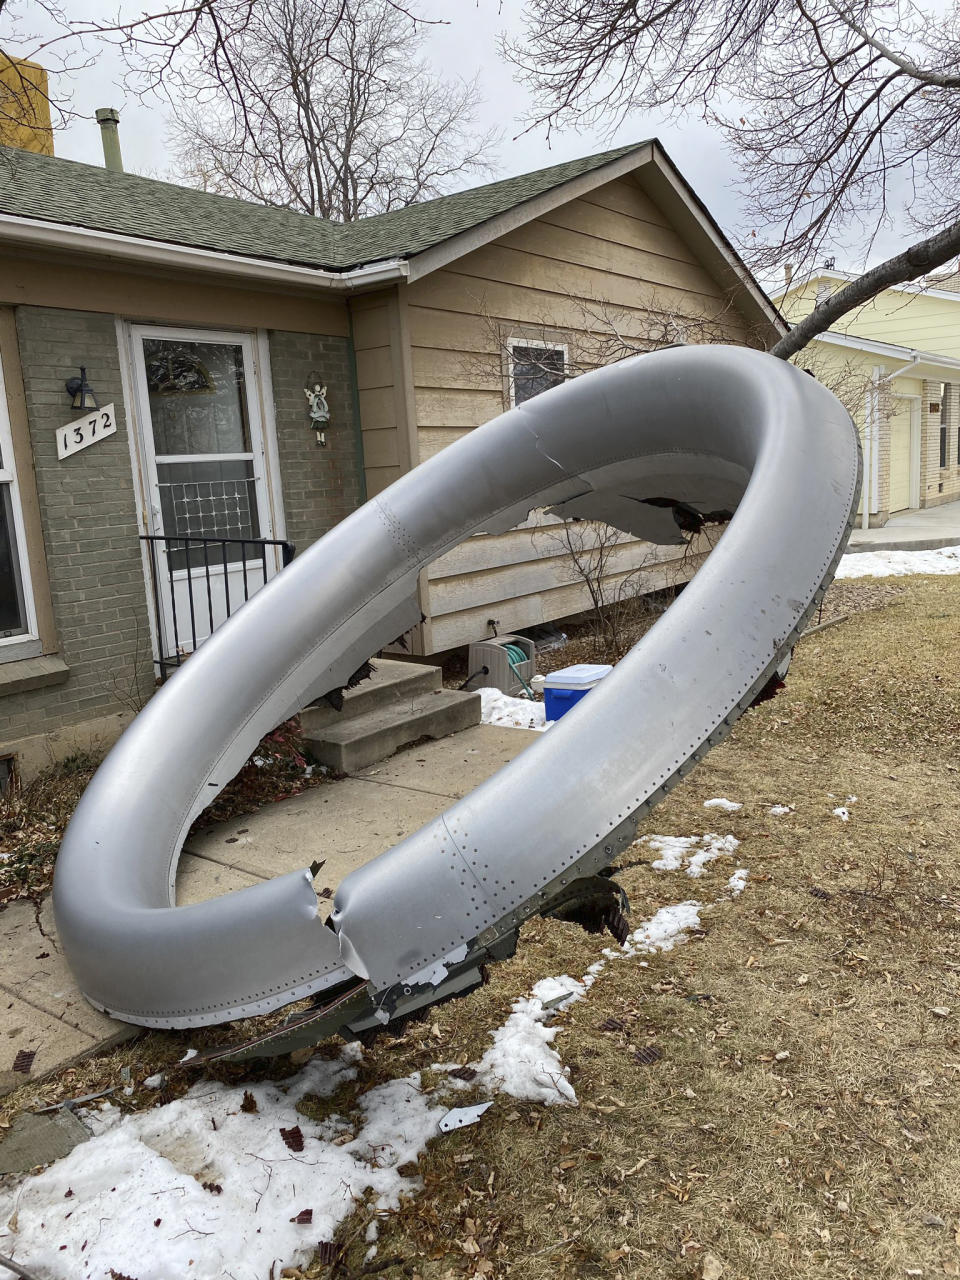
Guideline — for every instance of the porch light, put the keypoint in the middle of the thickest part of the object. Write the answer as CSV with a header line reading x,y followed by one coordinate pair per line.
x,y
82,392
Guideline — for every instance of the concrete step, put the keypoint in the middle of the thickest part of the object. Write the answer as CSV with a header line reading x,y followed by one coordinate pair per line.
x,y
391,682
364,739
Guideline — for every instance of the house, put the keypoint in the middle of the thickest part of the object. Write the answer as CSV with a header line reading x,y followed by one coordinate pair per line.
x,y
241,378
896,364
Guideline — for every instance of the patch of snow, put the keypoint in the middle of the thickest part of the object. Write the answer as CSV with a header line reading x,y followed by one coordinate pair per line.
x,y
678,851
512,713
728,806
204,1189
153,1082
522,1061
778,810
843,813
851,799
191,1053
895,564
738,882
666,930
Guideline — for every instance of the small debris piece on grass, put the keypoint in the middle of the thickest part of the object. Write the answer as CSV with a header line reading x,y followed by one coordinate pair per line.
x,y
464,1073
326,1252
648,1055
460,1117
303,1218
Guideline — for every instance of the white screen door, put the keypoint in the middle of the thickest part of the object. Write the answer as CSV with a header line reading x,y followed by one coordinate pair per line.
x,y
205,470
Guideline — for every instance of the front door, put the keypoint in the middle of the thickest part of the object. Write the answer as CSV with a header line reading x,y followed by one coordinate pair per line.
x,y
205,472
901,454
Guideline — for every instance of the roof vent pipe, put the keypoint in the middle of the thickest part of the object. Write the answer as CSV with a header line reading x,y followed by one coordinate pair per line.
x,y
108,118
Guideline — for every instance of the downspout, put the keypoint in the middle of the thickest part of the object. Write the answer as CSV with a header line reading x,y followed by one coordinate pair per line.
x,y
867,456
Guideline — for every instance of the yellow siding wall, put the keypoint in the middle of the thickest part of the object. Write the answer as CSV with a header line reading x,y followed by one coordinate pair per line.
x,y
547,280
914,320
24,106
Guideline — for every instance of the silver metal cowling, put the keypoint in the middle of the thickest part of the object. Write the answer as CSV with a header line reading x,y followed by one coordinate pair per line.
x,y
712,427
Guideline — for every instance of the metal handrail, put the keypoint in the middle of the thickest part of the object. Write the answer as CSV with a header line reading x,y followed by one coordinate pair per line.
x,y
170,658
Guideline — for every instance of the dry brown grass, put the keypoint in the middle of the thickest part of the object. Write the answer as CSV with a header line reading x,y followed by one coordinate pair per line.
x,y
839,1160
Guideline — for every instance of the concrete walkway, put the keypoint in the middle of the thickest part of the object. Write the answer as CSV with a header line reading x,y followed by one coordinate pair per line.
x,y
346,823
912,531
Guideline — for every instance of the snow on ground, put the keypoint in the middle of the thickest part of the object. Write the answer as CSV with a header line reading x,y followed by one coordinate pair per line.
x,y
690,853
522,1061
728,806
895,564
738,882
512,713
215,1186
204,1188
778,810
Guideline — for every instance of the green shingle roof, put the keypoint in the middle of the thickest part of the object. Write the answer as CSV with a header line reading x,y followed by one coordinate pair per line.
x,y
83,195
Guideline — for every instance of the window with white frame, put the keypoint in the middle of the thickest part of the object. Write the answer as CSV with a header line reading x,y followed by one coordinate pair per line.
x,y
18,627
535,367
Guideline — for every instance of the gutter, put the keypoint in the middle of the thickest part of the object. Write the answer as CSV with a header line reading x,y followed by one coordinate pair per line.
x,y
162,253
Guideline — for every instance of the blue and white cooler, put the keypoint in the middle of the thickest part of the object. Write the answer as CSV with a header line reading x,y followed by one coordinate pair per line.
x,y
562,689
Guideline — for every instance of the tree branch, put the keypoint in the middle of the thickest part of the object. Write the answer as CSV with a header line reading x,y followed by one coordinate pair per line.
x,y
917,261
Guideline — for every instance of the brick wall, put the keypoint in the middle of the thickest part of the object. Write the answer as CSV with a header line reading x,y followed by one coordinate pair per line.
x,y
88,512
88,506
320,485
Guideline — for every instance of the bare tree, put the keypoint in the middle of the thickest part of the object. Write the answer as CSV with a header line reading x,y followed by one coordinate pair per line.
x,y
836,106
159,45
340,124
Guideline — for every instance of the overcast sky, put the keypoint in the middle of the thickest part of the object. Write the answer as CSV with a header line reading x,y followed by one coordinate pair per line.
x,y
465,45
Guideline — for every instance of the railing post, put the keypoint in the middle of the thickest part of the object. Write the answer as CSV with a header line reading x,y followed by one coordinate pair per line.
x,y
164,544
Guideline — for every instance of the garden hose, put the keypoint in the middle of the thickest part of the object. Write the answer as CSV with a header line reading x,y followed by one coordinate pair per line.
x,y
516,655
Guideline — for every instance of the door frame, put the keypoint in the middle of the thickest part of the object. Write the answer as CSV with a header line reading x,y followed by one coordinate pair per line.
x,y
265,452
914,402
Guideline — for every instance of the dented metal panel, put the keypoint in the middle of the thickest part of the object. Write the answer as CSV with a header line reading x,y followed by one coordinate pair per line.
x,y
707,428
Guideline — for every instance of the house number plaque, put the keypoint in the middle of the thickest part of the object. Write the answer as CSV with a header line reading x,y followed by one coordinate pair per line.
x,y
95,425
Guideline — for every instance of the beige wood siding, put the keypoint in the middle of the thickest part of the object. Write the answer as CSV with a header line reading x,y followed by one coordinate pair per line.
x,y
168,297
384,387
553,279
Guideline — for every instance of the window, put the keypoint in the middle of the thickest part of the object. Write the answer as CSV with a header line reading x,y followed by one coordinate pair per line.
x,y
534,367
18,627
943,446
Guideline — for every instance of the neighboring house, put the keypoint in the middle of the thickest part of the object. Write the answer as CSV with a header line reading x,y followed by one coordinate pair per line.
x,y
896,364
209,324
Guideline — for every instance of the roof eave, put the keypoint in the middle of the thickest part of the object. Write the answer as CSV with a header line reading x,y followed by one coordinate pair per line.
x,y
137,251
922,363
